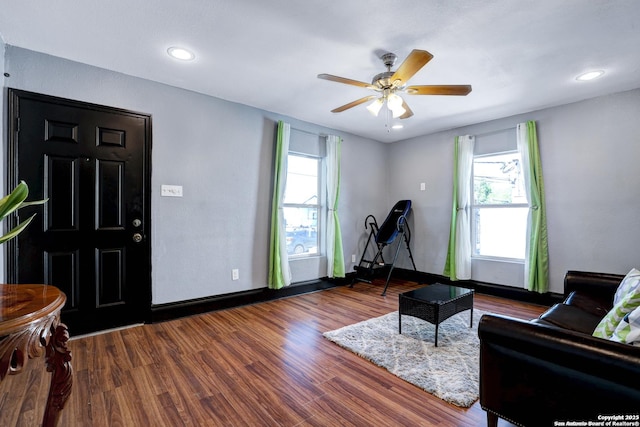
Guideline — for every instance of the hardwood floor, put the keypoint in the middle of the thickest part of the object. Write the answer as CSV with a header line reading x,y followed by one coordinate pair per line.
x,y
259,365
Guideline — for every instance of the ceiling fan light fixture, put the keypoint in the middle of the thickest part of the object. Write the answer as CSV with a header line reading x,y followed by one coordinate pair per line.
x,y
394,100
394,103
375,106
397,111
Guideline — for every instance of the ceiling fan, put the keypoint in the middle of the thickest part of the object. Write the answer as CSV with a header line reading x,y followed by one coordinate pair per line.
x,y
390,82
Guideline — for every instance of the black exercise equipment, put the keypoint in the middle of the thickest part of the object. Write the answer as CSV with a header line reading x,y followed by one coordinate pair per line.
x,y
395,224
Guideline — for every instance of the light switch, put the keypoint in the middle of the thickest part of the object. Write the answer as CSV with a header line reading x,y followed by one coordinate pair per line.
x,y
423,186
171,191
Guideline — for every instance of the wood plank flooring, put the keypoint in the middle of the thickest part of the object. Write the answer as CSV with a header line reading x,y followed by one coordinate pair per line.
x,y
260,365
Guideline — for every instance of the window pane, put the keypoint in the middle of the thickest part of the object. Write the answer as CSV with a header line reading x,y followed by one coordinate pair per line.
x,y
301,230
302,221
501,232
498,179
302,180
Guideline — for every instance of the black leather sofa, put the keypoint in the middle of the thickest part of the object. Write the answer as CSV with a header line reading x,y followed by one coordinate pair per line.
x,y
551,369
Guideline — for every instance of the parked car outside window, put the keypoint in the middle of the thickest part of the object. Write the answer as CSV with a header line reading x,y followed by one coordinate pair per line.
x,y
300,241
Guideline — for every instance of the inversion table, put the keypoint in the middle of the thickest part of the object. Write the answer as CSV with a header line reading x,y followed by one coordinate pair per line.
x,y
395,225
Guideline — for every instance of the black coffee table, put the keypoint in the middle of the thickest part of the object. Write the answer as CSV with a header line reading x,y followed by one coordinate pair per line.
x,y
435,304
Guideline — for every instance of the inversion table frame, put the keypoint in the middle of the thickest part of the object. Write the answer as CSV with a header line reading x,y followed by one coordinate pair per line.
x,y
395,224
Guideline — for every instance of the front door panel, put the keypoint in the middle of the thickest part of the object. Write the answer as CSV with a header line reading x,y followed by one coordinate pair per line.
x,y
91,162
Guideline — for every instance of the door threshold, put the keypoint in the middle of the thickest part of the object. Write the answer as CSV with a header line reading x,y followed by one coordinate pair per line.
x,y
105,331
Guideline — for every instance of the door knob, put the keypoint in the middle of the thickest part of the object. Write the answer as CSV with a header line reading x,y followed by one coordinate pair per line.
x,y
137,237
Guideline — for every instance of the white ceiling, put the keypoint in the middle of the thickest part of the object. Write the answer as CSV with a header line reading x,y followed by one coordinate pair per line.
x,y
519,56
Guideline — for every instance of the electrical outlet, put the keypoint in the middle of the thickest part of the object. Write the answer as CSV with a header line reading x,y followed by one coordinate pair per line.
x,y
353,257
235,274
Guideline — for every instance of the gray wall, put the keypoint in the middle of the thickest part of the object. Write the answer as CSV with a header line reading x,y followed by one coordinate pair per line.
x,y
221,153
590,153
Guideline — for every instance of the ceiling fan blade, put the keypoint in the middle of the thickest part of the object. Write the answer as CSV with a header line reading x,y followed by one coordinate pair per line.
x,y
353,104
411,65
408,113
439,90
345,81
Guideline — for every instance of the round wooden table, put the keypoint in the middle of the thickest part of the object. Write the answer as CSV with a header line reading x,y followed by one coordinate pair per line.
x,y
30,326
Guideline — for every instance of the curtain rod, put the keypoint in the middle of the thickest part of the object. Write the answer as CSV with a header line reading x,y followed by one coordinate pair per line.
x,y
495,131
310,133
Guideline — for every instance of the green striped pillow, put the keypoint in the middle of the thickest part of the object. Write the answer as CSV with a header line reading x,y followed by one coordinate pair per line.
x,y
628,330
630,282
610,322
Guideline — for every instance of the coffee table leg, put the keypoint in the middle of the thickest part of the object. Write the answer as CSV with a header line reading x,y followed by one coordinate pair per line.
x,y
399,323
471,320
437,325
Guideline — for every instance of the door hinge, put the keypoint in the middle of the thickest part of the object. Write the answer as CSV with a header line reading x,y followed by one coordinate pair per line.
x,y
17,124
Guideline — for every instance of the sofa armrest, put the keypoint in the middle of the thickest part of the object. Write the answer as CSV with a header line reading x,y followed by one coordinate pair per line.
x,y
599,285
535,374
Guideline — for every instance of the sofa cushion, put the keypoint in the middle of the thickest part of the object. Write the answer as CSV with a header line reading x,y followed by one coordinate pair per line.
x,y
571,317
589,303
610,322
630,282
628,330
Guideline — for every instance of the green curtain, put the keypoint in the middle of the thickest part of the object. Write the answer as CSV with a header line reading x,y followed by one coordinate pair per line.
x,y
335,253
450,264
279,272
458,263
537,252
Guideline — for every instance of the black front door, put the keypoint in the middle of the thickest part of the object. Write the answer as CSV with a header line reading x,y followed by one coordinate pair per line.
x,y
91,239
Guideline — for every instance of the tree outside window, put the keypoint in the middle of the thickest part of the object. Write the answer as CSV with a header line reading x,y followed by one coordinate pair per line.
x,y
499,206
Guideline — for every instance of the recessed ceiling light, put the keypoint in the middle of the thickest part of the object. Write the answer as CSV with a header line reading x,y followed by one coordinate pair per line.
x,y
397,126
180,53
585,77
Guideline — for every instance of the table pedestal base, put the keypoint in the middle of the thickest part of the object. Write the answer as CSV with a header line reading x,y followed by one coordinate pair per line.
x,y
51,336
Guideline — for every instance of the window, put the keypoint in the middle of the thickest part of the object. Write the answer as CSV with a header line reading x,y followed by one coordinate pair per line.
x,y
302,205
499,208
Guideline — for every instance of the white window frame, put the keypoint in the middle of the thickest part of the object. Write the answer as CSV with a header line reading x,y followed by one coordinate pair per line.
x,y
319,206
475,207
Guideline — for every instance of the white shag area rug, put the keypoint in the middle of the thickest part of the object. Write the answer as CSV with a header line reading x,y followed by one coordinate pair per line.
x,y
449,371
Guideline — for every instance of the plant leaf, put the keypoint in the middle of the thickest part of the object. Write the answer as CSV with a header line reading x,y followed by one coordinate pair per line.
x,y
13,201
32,203
17,229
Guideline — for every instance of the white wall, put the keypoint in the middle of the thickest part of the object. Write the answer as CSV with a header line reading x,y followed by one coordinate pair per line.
x,y
221,153
590,153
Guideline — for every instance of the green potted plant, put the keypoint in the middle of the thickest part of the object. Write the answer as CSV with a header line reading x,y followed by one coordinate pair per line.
x,y
12,202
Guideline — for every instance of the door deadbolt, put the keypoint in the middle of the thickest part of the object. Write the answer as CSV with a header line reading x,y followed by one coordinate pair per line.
x,y
137,237
136,222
